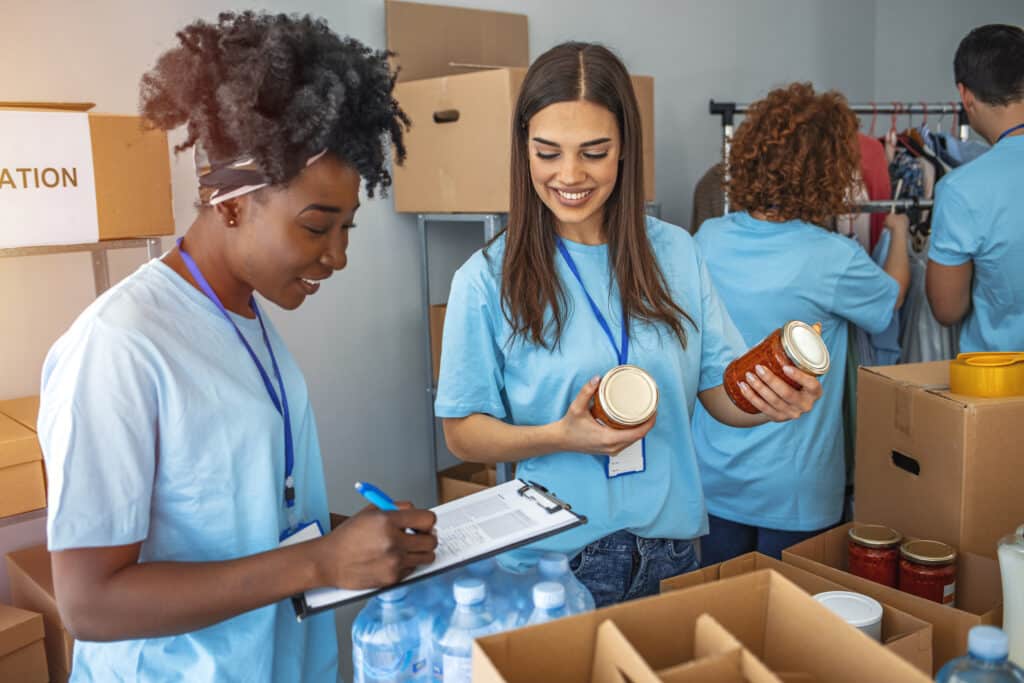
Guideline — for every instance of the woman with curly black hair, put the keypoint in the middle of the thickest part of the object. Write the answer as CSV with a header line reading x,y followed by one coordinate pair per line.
x,y
180,443
792,164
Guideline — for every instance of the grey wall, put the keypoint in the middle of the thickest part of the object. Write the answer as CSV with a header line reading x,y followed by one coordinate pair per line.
x,y
359,339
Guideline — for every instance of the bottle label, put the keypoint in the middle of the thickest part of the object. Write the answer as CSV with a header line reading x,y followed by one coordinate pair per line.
x,y
457,669
949,594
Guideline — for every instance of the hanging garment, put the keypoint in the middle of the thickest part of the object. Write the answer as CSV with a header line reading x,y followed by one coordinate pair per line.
x,y
922,338
874,169
708,197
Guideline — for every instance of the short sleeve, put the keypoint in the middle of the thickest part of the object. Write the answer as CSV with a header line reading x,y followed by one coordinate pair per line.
x,y
954,238
472,364
721,342
865,294
97,429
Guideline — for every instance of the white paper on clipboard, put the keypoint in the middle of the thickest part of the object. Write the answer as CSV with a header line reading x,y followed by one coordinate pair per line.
x,y
479,525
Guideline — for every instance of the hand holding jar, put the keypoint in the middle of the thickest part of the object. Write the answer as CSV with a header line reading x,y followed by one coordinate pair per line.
x,y
582,433
779,376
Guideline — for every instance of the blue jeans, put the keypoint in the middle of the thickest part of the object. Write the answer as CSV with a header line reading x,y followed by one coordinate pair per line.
x,y
623,566
726,540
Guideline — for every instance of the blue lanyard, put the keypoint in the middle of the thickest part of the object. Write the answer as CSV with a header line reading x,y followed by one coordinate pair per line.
x,y
282,404
621,350
1009,131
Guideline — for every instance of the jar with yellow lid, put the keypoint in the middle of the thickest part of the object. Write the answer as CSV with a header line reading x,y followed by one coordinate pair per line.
x,y
627,397
928,570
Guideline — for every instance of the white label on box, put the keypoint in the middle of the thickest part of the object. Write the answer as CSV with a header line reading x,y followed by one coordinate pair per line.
x,y
47,186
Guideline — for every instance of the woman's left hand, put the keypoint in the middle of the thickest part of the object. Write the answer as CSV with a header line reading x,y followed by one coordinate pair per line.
x,y
776,399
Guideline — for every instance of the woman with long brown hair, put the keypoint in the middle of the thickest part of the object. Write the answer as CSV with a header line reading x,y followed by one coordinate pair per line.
x,y
792,164
579,282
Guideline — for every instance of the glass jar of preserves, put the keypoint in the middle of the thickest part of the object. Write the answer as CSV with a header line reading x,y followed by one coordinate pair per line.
x,y
874,553
795,343
928,570
626,397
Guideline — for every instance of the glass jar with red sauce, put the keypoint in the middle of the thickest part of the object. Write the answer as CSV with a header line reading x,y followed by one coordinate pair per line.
x,y
874,553
795,343
928,570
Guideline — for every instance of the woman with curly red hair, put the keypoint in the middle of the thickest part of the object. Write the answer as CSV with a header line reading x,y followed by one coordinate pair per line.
x,y
793,163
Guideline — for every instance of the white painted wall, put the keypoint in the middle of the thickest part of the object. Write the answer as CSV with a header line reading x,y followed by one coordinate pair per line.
x,y
360,339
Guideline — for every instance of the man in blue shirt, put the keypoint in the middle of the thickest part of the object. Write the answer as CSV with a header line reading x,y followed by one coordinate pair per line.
x,y
977,244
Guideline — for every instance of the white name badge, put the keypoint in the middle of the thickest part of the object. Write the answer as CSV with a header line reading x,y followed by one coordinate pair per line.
x,y
47,185
632,459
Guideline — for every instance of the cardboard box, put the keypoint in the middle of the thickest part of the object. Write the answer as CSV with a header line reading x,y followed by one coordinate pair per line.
x,y
464,479
22,655
32,589
23,410
906,635
460,142
22,486
132,172
776,621
437,40
937,465
437,312
978,591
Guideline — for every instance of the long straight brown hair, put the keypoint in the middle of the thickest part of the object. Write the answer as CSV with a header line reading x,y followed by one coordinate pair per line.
x,y
529,282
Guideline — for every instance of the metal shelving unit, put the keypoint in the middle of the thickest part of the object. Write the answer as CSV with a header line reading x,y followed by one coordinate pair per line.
x,y
492,224
100,264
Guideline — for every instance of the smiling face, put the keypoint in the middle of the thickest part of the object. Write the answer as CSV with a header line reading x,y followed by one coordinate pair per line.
x,y
295,236
574,150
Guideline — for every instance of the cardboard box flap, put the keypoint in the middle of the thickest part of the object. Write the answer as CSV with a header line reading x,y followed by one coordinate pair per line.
x,y
18,628
539,652
933,378
434,40
615,658
17,443
49,106
710,638
23,410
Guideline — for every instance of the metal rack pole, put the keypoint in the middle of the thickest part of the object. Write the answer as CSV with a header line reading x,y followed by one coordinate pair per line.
x,y
492,224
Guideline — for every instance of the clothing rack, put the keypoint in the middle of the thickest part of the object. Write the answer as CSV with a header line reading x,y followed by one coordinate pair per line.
x,y
897,205
727,111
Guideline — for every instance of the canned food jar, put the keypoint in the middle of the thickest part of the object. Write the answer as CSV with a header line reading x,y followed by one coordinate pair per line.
x,y
626,397
863,613
795,343
874,553
928,570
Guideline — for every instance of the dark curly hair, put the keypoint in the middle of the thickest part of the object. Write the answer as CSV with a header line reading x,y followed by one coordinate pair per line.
x,y
796,156
280,88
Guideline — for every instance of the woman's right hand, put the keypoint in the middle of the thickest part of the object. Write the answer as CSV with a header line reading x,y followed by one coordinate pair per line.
x,y
898,223
581,433
372,548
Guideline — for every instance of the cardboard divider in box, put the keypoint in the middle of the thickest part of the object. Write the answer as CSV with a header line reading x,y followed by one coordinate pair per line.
x,y
32,589
124,163
22,480
22,655
978,590
464,479
767,614
934,464
908,636
459,146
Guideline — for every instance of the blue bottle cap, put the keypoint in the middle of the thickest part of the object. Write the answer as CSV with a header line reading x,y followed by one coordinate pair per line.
x,y
988,642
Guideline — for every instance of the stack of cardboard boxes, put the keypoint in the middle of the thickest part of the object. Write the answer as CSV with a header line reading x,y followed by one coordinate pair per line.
x,y
932,465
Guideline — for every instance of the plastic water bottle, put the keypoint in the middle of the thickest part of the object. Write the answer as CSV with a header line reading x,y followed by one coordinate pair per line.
x,y
386,641
503,597
986,661
548,603
555,567
453,636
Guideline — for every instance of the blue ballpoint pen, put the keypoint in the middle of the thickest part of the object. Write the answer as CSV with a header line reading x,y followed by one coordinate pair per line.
x,y
376,496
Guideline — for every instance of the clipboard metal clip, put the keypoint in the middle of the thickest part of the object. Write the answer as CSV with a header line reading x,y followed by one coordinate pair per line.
x,y
542,497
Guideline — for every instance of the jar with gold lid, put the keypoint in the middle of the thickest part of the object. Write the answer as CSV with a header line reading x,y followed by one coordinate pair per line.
x,y
795,343
928,570
627,397
874,553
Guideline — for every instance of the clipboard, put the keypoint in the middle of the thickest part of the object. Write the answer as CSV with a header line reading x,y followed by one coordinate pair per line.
x,y
473,528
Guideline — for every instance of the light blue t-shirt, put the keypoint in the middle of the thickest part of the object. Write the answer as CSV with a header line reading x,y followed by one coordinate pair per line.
x,y
787,475
156,427
484,371
979,216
